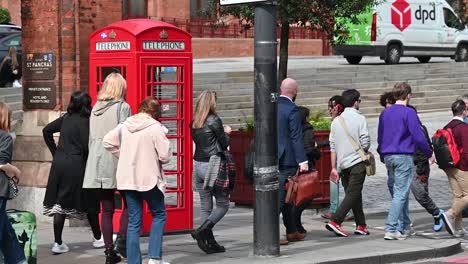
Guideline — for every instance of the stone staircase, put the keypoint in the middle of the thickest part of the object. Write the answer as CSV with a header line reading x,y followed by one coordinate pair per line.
x,y
435,86
13,97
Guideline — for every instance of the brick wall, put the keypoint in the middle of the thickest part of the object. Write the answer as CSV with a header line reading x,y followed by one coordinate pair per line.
x,y
165,8
93,15
14,6
225,48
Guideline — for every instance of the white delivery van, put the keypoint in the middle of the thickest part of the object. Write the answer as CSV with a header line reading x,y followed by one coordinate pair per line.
x,y
405,28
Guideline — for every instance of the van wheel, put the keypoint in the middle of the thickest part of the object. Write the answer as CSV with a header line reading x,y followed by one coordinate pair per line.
x,y
424,59
462,53
393,54
353,59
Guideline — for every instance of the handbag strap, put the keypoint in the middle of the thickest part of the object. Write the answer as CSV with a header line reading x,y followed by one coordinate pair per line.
x,y
355,145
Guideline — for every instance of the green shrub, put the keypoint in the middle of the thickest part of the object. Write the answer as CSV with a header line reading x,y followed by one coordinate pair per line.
x,y
320,121
4,16
248,123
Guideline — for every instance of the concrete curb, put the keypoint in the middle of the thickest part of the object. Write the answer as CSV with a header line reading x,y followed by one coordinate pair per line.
x,y
443,249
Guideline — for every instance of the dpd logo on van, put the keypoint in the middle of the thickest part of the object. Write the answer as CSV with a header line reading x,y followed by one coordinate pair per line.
x,y
401,14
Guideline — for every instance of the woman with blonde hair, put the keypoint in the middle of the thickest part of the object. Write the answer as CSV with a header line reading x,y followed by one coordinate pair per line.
x,y
211,139
9,245
109,111
141,145
10,70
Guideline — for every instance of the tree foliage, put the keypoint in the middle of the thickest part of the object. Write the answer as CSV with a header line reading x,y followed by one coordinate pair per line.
x,y
312,14
4,16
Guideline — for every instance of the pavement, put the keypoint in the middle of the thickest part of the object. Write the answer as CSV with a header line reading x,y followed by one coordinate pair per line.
x,y
235,231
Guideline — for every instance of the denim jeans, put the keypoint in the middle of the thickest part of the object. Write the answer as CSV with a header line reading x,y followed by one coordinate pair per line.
x,y
206,196
286,210
9,245
155,200
401,171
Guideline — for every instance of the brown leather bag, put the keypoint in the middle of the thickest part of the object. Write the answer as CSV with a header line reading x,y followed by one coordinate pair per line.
x,y
302,188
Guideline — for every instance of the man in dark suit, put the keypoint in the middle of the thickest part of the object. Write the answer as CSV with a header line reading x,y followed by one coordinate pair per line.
x,y
291,152
457,176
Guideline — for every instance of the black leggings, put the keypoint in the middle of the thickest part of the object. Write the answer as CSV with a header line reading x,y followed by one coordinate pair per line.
x,y
59,222
107,201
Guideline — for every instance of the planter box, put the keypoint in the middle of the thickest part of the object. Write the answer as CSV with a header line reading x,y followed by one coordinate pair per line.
x,y
243,193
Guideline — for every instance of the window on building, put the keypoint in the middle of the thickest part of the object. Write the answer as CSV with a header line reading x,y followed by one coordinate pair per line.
x,y
134,9
201,8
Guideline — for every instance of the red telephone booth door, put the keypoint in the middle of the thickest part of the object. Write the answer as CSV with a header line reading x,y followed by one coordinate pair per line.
x,y
168,81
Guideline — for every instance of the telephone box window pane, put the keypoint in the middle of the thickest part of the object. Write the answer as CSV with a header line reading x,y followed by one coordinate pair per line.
x,y
171,180
172,164
170,199
165,91
105,71
164,74
169,110
181,74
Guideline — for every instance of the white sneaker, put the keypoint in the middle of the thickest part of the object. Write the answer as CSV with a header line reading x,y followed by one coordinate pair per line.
x,y
409,232
59,249
157,261
460,233
394,236
98,243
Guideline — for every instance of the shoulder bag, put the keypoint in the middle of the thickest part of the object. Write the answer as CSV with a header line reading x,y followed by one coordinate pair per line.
x,y
302,188
367,157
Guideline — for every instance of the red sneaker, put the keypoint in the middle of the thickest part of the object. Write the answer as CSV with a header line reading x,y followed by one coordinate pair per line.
x,y
361,230
336,228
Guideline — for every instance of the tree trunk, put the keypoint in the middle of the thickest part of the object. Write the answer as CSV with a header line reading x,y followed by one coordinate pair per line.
x,y
284,44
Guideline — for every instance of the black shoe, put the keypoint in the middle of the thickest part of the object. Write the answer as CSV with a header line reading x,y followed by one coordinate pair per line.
x,y
213,244
121,245
111,256
301,229
201,235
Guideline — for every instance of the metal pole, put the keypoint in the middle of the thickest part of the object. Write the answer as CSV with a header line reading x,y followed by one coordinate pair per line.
x,y
266,210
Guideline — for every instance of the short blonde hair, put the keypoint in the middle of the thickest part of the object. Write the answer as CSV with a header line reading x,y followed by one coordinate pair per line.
x,y
5,117
114,87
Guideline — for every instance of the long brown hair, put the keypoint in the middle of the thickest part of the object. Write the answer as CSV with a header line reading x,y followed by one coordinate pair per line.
x,y
5,117
206,104
151,107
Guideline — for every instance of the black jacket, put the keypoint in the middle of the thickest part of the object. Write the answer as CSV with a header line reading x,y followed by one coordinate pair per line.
x,y
312,152
6,74
6,152
210,139
420,159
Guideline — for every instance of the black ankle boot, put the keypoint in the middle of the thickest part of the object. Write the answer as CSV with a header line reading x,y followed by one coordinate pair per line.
x,y
213,244
201,235
111,256
121,245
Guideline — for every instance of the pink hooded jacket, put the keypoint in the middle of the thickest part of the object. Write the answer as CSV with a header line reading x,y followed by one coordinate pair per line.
x,y
142,147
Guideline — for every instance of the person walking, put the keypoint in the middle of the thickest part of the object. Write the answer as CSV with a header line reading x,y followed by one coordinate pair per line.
x,y
291,153
420,185
335,108
9,245
211,138
109,111
64,197
313,154
457,176
350,124
10,69
399,134
141,146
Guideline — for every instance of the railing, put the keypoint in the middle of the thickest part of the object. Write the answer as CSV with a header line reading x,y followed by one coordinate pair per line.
x,y
209,28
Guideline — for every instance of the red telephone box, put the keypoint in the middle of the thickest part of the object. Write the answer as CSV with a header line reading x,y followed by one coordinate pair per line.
x,y
156,60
